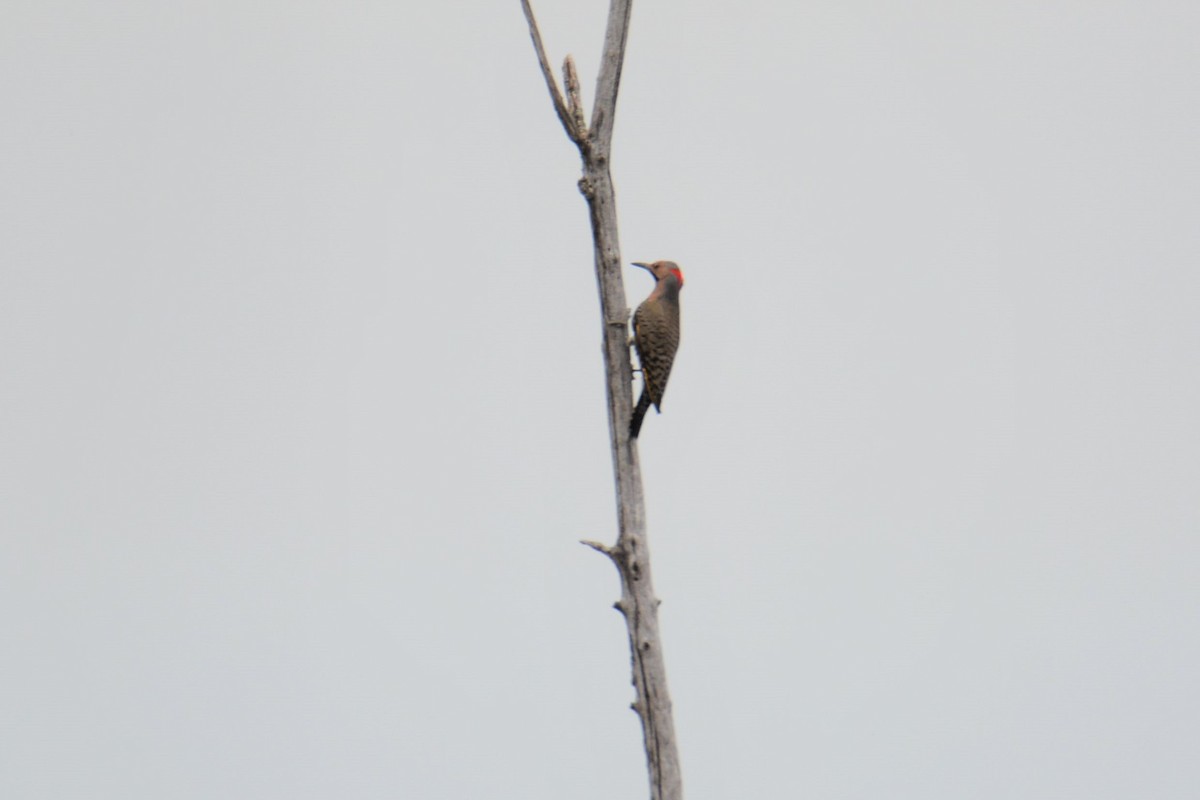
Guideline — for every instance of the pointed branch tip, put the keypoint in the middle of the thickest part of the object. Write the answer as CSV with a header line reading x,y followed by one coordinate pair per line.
x,y
599,547
560,106
574,101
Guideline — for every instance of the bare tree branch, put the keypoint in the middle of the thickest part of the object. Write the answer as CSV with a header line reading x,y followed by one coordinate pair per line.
x,y
630,554
574,103
608,80
556,97
599,547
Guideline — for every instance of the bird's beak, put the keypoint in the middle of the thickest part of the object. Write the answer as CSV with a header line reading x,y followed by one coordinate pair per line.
x,y
641,264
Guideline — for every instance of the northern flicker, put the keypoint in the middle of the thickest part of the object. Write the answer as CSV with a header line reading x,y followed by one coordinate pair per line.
x,y
656,336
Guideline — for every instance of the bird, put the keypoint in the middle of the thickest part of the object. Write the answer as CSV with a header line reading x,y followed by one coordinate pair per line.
x,y
656,337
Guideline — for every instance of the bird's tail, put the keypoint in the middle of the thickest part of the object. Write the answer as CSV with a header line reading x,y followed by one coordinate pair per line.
x,y
635,422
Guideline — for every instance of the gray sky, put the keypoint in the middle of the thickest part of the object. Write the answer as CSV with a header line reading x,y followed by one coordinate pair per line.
x,y
302,410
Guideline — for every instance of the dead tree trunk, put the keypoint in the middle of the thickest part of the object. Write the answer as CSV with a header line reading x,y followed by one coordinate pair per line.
x,y
630,554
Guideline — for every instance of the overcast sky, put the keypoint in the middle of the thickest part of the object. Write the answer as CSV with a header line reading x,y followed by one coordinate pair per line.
x,y
302,415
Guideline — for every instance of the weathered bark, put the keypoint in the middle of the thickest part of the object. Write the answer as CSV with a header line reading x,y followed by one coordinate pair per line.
x,y
630,554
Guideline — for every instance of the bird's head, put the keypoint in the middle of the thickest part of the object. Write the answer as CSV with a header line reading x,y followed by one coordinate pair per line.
x,y
662,270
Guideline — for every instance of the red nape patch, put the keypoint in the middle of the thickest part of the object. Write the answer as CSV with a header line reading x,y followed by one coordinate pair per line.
x,y
678,273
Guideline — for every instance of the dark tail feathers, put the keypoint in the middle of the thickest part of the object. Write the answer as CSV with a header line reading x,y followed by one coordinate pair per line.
x,y
635,422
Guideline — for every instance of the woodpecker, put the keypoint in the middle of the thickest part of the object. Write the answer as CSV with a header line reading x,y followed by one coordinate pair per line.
x,y
656,336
